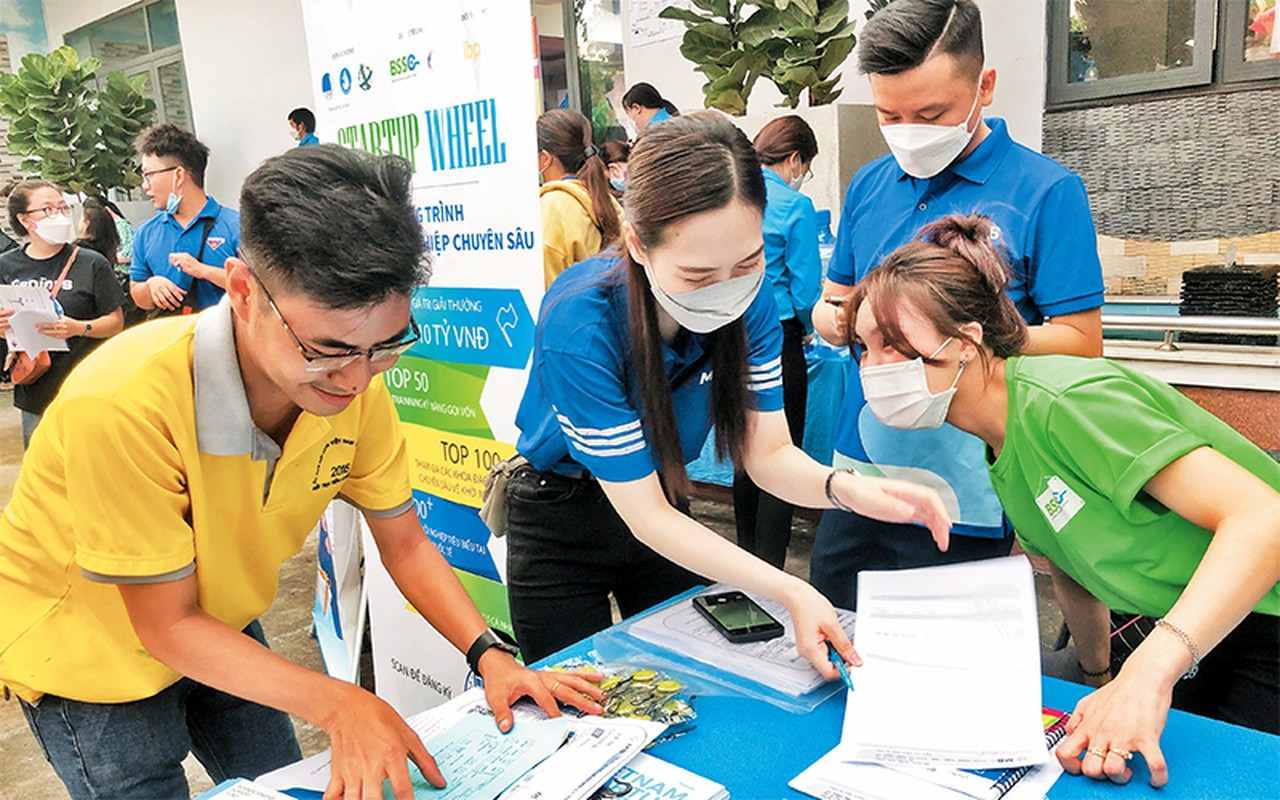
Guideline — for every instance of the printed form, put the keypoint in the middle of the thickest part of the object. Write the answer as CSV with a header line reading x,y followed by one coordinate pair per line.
x,y
951,672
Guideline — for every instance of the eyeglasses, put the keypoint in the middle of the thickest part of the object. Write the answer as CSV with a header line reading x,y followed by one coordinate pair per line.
x,y
49,211
381,356
146,175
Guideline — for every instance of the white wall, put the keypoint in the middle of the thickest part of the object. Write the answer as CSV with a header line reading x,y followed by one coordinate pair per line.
x,y
247,68
1013,32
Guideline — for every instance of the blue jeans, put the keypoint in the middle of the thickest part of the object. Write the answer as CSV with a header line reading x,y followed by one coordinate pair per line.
x,y
135,750
29,423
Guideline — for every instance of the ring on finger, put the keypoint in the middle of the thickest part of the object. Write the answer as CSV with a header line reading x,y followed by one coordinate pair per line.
x,y
555,686
1125,754
1100,752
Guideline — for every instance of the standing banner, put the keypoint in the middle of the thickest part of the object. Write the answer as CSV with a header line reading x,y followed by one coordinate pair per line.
x,y
338,613
447,85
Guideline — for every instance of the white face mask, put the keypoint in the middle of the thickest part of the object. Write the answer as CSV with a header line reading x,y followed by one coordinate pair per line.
x,y
899,396
796,182
56,229
925,150
710,307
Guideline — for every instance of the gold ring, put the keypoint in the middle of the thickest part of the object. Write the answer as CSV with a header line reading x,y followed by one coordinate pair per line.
x,y
1125,754
555,686
1099,752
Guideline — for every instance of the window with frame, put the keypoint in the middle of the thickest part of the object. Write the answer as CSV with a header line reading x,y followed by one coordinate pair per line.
x,y
1107,48
142,40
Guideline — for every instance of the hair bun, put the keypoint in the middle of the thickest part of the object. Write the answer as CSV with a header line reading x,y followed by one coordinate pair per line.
x,y
974,238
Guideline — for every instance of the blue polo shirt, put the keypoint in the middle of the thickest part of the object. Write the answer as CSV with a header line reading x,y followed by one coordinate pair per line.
x,y
662,115
162,235
309,140
581,408
792,263
1041,213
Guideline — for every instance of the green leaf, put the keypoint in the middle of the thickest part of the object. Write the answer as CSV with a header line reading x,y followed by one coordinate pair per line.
x,y
833,55
833,16
683,15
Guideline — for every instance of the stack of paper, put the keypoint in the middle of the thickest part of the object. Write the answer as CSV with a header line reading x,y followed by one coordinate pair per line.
x,y
649,778
534,760
950,680
774,663
31,305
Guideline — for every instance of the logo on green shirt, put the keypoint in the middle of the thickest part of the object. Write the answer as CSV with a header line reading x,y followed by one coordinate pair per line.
x,y
1058,503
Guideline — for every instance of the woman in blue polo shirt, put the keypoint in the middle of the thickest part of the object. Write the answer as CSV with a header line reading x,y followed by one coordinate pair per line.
x,y
637,356
647,107
786,148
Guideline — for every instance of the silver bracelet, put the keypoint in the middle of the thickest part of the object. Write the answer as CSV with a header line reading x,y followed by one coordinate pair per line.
x,y
831,495
1188,641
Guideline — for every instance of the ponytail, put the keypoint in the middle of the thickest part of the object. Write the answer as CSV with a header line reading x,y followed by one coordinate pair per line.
x,y
646,96
952,274
567,136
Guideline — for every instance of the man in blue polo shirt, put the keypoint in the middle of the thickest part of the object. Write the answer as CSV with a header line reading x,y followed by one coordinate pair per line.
x,y
178,254
924,60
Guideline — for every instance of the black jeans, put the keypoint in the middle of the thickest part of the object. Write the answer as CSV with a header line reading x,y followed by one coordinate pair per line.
x,y
848,543
567,550
764,521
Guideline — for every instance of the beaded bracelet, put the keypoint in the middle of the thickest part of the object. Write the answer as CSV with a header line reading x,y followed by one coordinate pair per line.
x,y
1188,641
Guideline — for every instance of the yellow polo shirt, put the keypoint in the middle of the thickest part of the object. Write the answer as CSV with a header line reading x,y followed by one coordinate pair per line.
x,y
147,467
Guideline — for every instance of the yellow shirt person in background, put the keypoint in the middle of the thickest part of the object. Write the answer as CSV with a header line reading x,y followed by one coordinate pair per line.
x,y
579,215
183,463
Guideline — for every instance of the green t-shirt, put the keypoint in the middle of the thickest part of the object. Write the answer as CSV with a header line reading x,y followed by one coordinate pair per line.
x,y
1084,435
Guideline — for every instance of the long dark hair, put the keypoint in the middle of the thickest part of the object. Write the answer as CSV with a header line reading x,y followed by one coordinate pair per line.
x,y
700,162
567,136
951,275
646,96
101,234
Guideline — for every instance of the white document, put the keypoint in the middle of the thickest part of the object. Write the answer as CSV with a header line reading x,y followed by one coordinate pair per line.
x,y
596,750
646,776
246,790
31,305
951,668
774,663
833,778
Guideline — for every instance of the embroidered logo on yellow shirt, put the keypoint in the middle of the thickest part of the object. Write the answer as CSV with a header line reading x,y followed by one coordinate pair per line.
x,y
1058,503
334,463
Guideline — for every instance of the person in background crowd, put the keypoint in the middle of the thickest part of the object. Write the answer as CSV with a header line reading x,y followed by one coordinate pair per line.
x,y
925,64
615,154
184,463
638,353
302,126
786,148
88,294
124,229
178,254
100,231
646,107
579,215
1142,501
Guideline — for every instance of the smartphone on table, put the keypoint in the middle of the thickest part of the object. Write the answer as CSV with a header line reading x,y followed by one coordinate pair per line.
x,y
738,618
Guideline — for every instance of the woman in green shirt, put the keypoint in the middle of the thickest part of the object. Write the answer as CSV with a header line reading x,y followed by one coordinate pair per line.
x,y
1143,502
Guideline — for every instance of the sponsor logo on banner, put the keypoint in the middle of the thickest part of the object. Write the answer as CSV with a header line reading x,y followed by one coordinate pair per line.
x,y
326,86
403,67
366,77
471,50
344,80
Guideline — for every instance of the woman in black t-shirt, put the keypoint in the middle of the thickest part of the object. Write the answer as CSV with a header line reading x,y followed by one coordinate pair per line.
x,y
89,298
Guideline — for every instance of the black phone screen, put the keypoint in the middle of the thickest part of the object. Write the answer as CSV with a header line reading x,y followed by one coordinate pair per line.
x,y
738,615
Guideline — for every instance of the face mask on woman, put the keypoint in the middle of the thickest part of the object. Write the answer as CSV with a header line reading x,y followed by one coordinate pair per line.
x,y
708,308
899,395
56,229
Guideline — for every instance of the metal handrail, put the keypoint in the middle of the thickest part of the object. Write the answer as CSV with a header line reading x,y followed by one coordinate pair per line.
x,y
1172,325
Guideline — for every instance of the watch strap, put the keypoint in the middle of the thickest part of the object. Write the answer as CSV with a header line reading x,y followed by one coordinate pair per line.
x,y
482,644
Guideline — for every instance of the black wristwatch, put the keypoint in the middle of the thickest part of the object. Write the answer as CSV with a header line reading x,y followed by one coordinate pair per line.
x,y
482,644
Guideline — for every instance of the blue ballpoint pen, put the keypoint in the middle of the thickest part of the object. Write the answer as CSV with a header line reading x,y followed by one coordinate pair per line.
x,y
839,665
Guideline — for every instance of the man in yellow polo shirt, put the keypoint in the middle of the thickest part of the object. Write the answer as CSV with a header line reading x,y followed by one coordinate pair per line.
x,y
182,463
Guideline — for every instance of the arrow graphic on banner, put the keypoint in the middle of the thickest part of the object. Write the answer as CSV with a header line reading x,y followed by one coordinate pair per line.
x,y
473,326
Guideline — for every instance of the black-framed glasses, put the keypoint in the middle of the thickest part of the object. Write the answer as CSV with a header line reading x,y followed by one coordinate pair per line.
x,y
379,356
48,211
147,174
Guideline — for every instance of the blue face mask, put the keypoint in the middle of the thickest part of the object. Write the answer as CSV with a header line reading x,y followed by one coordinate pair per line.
x,y
171,204
618,184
